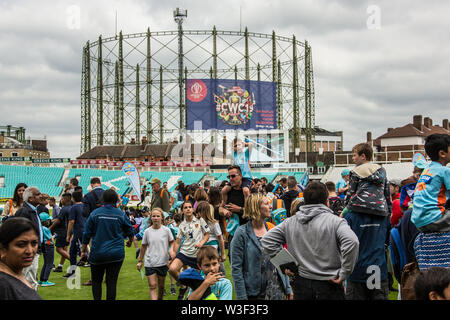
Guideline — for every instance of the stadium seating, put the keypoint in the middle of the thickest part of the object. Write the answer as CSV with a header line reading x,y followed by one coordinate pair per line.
x,y
45,179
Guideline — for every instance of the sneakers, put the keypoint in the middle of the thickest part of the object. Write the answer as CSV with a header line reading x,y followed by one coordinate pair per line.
x,y
68,275
58,269
181,293
172,290
164,292
46,284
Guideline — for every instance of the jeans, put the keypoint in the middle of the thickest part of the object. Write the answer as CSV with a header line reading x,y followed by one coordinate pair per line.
x,y
48,251
75,248
308,289
112,274
30,273
360,291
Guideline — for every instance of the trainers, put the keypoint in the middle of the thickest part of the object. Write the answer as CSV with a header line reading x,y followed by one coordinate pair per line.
x,y
68,275
47,284
164,292
87,265
58,269
181,293
172,290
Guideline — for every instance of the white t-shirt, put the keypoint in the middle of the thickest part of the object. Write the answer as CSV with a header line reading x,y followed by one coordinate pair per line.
x,y
215,232
157,241
192,232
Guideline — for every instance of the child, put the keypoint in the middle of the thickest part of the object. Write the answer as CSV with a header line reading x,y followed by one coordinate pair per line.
x,y
206,212
220,287
433,284
195,232
369,205
433,188
157,239
47,250
241,158
334,202
173,227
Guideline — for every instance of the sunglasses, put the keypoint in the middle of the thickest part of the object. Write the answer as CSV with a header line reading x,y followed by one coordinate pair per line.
x,y
232,176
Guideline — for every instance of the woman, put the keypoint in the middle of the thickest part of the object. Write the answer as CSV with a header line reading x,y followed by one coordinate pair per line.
x,y
14,204
18,247
107,226
254,276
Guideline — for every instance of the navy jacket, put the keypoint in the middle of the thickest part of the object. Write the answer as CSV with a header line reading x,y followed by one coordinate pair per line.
x,y
246,253
408,234
107,226
89,199
27,212
372,232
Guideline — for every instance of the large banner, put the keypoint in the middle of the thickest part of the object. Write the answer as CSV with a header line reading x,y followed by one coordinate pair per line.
x,y
231,104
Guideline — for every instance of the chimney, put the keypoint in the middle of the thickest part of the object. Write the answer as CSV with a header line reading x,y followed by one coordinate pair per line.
x,y
390,129
144,142
133,141
417,122
427,122
369,136
445,124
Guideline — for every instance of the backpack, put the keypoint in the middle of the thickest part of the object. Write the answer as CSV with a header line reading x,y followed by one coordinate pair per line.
x,y
278,215
98,204
398,254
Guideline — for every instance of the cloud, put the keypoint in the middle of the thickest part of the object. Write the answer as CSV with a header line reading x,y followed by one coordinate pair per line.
x,y
365,80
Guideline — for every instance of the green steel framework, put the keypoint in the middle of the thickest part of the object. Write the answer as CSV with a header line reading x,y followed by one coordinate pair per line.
x,y
118,71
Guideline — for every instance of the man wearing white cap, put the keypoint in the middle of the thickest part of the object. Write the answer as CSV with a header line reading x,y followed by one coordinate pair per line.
x,y
160,196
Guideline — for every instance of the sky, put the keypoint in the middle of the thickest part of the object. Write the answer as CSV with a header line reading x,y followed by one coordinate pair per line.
x,y
376,63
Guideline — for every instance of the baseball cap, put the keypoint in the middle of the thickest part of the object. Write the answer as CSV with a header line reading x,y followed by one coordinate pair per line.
x,y
155,180
420,164
395,182
345,172
44,216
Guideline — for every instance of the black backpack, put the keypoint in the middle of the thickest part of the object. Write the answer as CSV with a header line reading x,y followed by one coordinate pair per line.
x,y
98,204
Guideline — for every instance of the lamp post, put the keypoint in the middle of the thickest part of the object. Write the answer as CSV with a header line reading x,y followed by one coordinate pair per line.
x,y
179,15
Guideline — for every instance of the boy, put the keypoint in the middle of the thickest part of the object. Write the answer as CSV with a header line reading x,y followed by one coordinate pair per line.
x,y
334,202
433,284
369,205
342,184
323,245
208,263
241,158
433,188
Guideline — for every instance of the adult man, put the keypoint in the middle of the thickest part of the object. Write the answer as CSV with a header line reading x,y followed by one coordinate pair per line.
x,y
160,196
92,200
291,194
31,199
235,200
323,245
55,207
283,182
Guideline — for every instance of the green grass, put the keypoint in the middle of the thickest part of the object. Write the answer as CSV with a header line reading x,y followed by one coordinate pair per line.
x,y
130,285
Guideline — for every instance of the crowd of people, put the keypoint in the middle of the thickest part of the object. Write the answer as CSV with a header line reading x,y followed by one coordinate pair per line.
x,y
347,241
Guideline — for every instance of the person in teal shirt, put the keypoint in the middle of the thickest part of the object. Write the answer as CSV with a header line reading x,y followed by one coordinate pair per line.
x,y
214,286
433,188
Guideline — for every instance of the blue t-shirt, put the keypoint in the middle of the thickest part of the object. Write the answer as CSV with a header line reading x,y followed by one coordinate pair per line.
x,y
431,193
222,289
76,213
341,184
242,160
47,235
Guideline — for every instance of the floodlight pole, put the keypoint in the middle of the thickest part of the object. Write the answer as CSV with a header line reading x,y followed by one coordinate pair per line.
x,y
179,15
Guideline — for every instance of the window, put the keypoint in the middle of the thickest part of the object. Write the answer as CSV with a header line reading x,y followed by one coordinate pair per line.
x,y
1,154
311,170
320,170
14,154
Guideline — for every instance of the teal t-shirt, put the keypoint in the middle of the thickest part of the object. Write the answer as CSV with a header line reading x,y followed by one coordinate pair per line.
x,y
431,193
222,289
47,235
242,160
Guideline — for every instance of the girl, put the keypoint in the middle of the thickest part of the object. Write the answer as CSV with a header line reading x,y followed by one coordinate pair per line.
x,y
157,239
14,204
206,212
195,232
